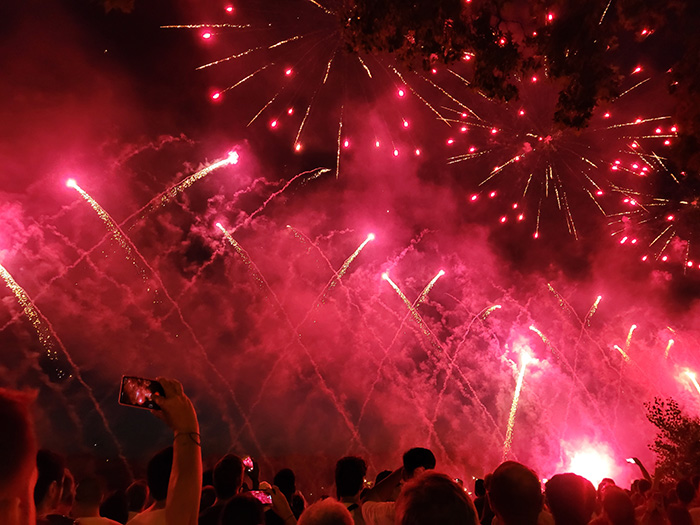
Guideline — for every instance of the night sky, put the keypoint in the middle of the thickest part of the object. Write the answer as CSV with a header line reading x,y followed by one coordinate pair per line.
x,y
285,359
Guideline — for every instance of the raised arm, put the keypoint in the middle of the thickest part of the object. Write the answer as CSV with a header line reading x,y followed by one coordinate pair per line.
x,y
185,486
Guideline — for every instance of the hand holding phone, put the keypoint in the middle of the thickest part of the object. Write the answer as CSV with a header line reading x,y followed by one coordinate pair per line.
x,y
140,392
262,496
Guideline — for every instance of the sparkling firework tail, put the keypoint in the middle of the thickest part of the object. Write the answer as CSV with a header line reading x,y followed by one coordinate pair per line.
x,y
258,276
513,408
49,339
132,252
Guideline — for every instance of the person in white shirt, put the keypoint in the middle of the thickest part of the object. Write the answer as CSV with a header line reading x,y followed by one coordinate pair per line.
x,y
86,507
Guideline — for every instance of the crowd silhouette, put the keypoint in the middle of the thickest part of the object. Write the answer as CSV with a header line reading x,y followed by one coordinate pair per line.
x,y
37,487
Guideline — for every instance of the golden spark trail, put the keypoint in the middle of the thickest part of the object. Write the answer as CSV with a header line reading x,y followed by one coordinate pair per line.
x,y
328,66
226,59
348,261
424,294
622,353
668,348
169,194
112,226
47,336
514,407
629,337
369,73
592,311
207,26
340,132
245,79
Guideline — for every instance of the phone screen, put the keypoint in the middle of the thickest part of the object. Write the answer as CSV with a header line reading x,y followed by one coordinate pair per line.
x,y
248,463
263,497
138,392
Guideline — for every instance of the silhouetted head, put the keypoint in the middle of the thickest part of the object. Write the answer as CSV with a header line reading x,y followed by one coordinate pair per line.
x,y
618,506
417,460
685,491
515,494
571,499
208,498
326,512
51,469
479,487
88,493
349,476
286,482
136,495
228,476
243,509
115,506
431,498
158,473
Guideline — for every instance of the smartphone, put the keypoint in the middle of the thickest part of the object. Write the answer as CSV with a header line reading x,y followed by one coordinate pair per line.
x,y
138,392
248,463
261,496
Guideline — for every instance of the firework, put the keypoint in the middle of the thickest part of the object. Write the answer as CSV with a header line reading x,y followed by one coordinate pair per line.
x,y
524,360
49,340
112,227
522,160
693,379
303,65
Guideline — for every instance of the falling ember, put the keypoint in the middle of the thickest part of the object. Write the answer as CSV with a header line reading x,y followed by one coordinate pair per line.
x,y
693,379
668,348
525,359
216,95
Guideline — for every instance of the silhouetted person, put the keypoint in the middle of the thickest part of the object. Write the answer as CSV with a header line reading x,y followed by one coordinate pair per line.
x,y
116,507
618,508
570,498
515,495
243,509
51,468
17,459
431,498
208,498
378,503
158,477
285,481
228,480
88,497
350,474
136,496
480,496
326,512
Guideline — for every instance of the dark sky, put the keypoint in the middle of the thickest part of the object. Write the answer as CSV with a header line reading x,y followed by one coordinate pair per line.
x,y
284,361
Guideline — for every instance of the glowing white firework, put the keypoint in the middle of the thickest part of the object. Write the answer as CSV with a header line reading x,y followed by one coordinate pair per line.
x,y
524,360
693,379
668,348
